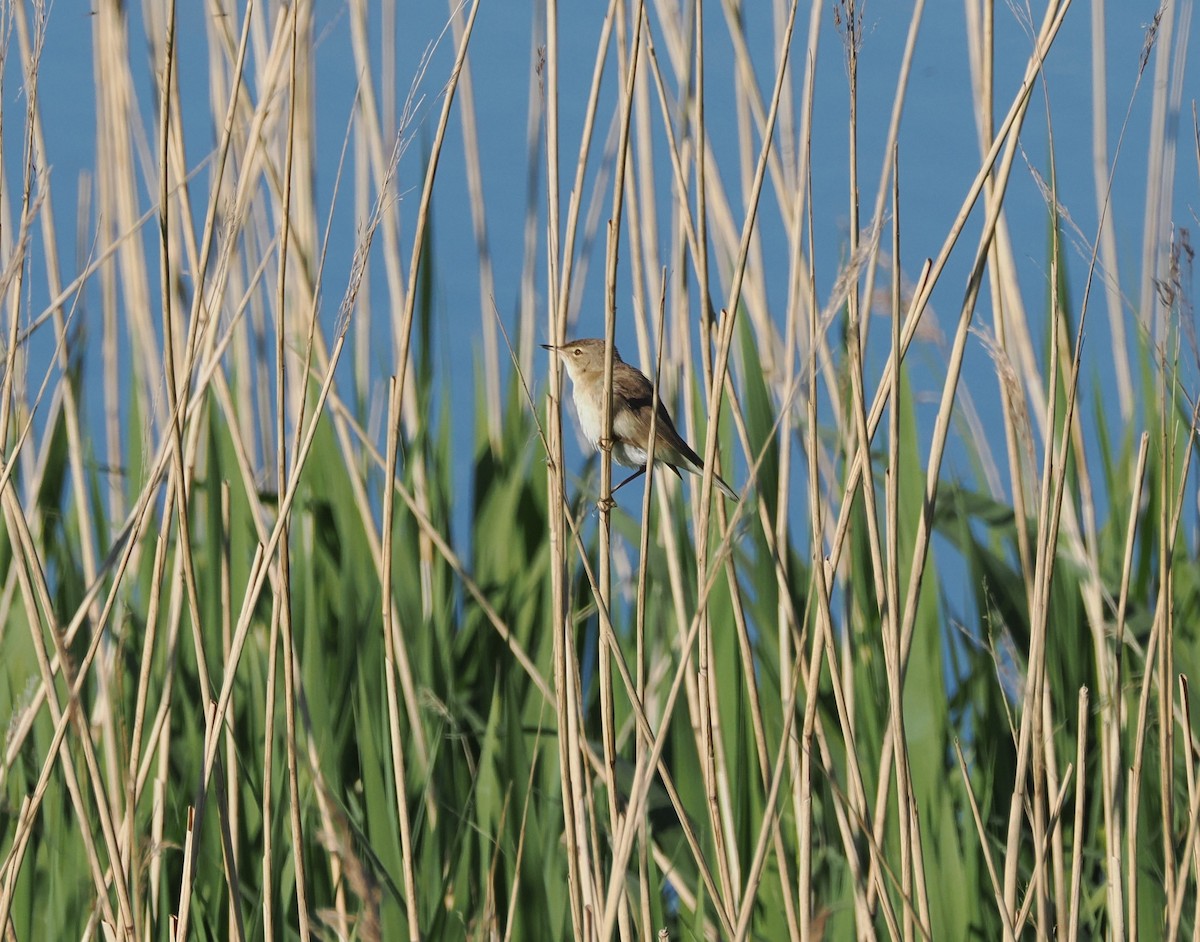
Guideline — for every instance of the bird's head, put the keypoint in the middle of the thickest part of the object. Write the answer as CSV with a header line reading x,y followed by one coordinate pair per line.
x,y
583,358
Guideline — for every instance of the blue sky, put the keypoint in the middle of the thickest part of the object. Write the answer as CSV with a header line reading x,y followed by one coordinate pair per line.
x,y
939,153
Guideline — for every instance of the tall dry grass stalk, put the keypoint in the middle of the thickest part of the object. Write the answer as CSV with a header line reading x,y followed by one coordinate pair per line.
x,y
269,672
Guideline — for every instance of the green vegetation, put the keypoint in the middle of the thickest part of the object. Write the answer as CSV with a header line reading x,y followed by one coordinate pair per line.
x,y
266,674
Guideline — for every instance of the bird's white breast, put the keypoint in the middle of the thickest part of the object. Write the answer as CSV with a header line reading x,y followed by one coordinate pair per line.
x,y
590,422
589,417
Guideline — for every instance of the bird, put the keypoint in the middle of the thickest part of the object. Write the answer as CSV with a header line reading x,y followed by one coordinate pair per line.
x,y
632,399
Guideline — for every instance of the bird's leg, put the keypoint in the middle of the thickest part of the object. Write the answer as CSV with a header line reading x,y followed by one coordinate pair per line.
x,y
636,474
606,504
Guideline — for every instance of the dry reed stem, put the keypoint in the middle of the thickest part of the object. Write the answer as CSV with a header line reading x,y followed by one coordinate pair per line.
x,y
396,401
628,70
883,876
654,763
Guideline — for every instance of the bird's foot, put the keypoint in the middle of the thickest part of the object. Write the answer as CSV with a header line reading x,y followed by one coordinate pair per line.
x,y
604,444
606,505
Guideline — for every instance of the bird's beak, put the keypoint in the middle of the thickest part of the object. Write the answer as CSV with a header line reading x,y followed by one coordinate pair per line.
x,y
548,346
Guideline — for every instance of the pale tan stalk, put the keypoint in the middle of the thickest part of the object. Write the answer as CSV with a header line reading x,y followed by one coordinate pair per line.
x,y
803,793
749,103
770,821
801,299
710,744
330,817
690,227
176,378
1052,906
885,590
1106,237
654,761
1006,915
886,170
701,219
1133,783
36,596
716,386
1175,903
1007,310
528,320
1156,213
854,433
395,652
893,648
1039,705
654,765
639,628
450,558
402,294
934,269
641,189
1113,709
820,575
851,829
562,259
520,854
1164,664
642,232
81,677
237,929
706,691
393,637
627,68
129,544
118,201
1032,729
1042,852
1168,533
643,777
563,653
234,926
487,290
178,921
135,782
1079,823
267,807
405,321
341,419
258,571
747,99
31,55
178,362
561,262
282,595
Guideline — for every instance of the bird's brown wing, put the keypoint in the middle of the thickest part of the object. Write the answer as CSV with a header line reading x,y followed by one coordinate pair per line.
x,y
669,435
638,392
639,401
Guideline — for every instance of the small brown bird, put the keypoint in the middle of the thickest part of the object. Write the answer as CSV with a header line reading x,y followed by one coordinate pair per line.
x,y
631,403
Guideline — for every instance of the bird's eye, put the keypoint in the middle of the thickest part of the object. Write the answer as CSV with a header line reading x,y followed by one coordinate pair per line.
x,y
576,351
